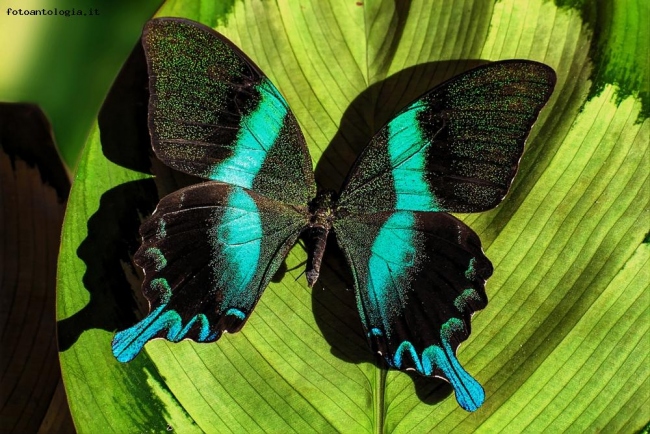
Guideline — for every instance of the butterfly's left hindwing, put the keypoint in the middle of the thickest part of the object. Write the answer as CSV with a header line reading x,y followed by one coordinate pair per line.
x,y
208,252
418,279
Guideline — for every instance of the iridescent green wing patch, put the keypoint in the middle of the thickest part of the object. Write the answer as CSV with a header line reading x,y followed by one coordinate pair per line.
x,y
457,147
208,252
214,114
418,277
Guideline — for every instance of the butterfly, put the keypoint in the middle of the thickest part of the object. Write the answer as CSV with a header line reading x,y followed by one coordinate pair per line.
x,y
209,250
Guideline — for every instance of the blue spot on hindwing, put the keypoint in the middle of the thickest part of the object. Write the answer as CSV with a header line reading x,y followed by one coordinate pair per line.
x,y
407,150
161,285
407,348
470,273
158,258
469,393
161,230
236,313
259,129
393,256
128,343
462,301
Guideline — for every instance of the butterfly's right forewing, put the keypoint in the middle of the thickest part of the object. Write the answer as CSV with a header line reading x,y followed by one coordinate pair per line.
x,y
457,147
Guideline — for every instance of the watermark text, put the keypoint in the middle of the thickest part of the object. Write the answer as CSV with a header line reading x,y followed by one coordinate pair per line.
x,y
54,11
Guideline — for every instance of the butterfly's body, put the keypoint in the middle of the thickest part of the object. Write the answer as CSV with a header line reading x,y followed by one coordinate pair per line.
x,y
322,214
209,250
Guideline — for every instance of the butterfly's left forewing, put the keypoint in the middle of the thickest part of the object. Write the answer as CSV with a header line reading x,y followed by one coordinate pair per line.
x,y
418,279
214,114
208,252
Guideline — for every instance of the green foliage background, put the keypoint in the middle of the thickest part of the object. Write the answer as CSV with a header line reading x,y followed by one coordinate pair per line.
x,y
562,344
66,64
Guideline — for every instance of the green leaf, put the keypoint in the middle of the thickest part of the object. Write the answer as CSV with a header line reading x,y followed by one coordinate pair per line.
x,y
563,342
67,63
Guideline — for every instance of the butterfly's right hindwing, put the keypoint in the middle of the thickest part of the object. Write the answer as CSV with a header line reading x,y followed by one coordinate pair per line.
x,y
208,252
418,279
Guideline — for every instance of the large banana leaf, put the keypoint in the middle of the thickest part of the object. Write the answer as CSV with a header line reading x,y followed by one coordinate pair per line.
x,y
563,343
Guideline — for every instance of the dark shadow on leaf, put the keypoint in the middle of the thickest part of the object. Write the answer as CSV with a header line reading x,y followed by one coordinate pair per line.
x,y
123,116
335,310
113,230
279,275
431,390
113,283
110,277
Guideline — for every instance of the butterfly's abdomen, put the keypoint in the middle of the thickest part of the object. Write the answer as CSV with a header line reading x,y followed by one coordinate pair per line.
x,y
320,223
